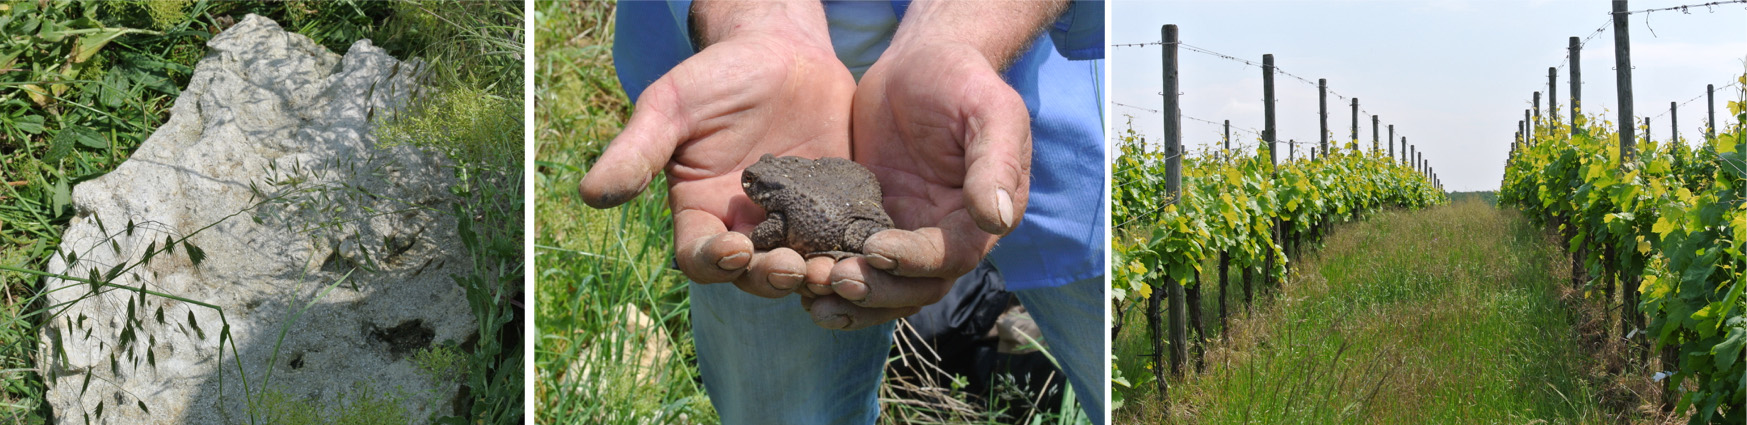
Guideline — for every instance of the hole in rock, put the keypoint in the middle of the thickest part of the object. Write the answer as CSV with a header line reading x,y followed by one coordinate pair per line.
x,y
404,338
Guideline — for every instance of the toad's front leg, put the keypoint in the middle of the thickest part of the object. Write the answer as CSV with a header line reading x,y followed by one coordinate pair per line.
x,y
856,233
770,234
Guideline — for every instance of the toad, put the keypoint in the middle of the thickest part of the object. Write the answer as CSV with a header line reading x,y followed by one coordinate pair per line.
x,y
823,207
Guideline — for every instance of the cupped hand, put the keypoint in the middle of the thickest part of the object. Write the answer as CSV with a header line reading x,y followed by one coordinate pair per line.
x,y
950,143
710,117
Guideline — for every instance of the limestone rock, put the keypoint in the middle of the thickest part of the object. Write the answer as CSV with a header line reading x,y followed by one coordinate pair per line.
x,y
267,165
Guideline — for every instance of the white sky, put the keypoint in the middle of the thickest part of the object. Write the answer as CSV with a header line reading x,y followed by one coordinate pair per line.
x,y
1453,76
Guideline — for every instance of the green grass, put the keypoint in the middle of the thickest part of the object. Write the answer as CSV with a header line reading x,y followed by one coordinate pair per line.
x,y
65,122
1448,315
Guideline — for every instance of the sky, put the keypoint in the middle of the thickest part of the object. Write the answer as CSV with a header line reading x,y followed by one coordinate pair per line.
x,y
1452,76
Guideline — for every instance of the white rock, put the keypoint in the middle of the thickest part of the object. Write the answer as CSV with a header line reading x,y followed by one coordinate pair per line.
x,y
263,103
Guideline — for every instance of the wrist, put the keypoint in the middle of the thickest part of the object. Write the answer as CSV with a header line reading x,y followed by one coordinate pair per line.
x,y
1000,31
799,22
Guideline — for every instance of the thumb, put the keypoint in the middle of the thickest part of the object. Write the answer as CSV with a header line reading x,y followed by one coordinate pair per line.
x,y
997,158
657,126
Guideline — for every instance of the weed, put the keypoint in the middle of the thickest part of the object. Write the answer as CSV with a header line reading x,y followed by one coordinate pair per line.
x,y
360,406
442,363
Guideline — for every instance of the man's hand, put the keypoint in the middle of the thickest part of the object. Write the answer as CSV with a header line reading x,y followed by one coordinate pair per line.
x,y
950,143
765,81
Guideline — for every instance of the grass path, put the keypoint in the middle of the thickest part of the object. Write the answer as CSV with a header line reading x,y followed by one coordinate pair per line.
x,y
1446,315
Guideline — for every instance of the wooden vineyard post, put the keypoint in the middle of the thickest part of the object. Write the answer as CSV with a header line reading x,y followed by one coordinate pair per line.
x,y
1322,111
1224,269
1286,243
1537,106
1268,135
1623,75
1522,130
1673,131
1374,147
1405,154
1711,105
1552,95
1670,355
1630,320
1174,184
1224,256
1353,142
1392,142
1575,48
1528,125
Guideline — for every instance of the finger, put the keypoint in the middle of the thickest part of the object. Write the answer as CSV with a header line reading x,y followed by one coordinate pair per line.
x,y
707,252
746,283
856,281
947,251
997,158
656,128
779,270
819,275
833,312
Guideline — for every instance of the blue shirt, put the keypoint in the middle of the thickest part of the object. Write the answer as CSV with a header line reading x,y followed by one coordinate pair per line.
x,y
1061,238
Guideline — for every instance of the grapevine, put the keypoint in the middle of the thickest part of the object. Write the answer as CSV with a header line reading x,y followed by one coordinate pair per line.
x,y
1673,218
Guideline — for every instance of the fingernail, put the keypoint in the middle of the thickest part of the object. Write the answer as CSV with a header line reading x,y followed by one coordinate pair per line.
x,y
1004,204
820,289
785,281
850,289
606,200
880,262
733,262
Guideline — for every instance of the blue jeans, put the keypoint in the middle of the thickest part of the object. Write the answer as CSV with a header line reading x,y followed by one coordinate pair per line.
x,y
764,361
